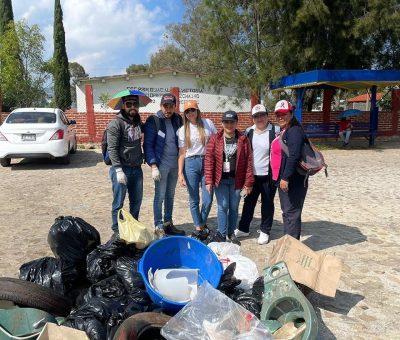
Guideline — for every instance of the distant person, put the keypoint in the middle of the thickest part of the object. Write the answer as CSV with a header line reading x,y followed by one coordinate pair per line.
x,y
124,135
345,128
261,134
161,153
292,187
229,169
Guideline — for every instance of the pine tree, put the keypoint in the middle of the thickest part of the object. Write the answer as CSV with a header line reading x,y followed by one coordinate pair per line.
x,y
6,14
62,92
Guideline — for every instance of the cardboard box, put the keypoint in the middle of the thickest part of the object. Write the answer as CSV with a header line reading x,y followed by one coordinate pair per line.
x,y
318,271
52,331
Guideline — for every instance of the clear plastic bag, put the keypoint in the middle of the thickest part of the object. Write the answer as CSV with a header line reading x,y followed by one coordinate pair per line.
x,y
246,270
133,231
223,249
214,316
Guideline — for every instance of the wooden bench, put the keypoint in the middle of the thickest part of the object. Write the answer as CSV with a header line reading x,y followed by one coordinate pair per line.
x,y
332,130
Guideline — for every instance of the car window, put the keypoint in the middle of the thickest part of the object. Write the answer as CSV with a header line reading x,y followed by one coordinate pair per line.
x,y
31,118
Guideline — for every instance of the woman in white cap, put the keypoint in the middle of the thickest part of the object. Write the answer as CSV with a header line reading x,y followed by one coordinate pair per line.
x,y
292,186
193,137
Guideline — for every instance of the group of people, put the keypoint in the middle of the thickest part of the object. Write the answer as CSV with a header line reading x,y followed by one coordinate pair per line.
x,y
190,150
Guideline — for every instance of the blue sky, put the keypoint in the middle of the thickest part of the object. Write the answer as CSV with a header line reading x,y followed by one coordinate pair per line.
x,y
104,36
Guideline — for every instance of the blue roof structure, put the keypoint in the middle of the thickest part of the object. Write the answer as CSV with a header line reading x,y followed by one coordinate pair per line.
x,y
342,79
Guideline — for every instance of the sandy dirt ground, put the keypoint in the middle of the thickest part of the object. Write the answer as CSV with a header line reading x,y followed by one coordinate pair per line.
x,y
354,213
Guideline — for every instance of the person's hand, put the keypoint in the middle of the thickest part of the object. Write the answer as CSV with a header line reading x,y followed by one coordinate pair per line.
x,y
121,177
209,188
284,185
155,174
248,190
181,180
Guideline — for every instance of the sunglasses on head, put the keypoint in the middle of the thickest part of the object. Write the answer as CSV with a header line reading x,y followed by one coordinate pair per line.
x,y
131,103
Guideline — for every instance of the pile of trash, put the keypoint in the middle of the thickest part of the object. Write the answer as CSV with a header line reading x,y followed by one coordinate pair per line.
x,y
102,283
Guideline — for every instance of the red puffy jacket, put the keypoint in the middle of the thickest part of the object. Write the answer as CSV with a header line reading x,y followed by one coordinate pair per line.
x,y
213,161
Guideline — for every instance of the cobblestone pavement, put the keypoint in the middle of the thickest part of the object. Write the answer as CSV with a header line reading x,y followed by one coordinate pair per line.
x,y
352,213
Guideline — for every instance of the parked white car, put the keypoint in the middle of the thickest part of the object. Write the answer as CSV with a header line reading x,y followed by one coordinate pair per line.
x,y
37,133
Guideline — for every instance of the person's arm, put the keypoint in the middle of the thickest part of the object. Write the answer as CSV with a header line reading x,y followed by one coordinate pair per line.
x,y
150,135
113,142
181,165
209,163
295,141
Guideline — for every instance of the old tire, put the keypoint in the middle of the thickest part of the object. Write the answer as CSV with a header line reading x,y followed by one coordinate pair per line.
x,y
142,326
5,162
74,147
33,295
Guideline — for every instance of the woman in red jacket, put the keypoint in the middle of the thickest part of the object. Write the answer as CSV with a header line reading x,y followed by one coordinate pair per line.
x,y
228,166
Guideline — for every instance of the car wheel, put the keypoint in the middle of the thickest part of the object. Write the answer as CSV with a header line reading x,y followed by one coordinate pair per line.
x,y
66,159
5,162
33,295
75,147
142,326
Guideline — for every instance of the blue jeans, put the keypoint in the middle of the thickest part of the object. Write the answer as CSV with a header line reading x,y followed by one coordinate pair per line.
x,y
134,186
194,177
164,192
227,206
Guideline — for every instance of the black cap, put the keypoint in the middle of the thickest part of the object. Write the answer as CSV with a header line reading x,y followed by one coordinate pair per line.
x,y
230,115
130,97
168,98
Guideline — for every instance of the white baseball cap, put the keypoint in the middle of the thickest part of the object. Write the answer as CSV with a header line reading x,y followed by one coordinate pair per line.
x,y
259,108
283,106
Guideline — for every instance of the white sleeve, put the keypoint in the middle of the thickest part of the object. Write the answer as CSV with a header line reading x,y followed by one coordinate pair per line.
x,y
211,126
181,137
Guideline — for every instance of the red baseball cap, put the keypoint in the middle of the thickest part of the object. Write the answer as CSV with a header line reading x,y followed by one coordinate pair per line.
x,y
283,106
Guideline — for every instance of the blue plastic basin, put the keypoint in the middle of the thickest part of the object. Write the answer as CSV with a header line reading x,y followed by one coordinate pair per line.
x,y
179,252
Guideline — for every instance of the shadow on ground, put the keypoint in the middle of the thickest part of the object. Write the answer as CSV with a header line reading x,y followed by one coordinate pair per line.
x,y
82,159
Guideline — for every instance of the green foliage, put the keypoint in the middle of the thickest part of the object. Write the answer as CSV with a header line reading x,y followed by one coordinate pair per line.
x,y
248,44
137,68
76,71
6,14
104,98
62,91
23,72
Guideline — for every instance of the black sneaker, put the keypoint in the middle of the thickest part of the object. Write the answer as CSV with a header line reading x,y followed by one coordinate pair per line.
x,y
170,229
202,234
233,239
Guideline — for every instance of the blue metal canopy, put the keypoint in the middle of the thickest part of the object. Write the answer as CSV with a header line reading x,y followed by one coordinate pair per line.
x,y
342,79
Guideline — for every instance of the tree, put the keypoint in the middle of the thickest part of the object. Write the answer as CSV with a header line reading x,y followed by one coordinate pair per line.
x,y
23,77
137,68
62,91
171,57
6,14
76,71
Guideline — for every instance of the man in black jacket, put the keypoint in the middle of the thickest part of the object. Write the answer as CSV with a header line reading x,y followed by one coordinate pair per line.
x,y
124,135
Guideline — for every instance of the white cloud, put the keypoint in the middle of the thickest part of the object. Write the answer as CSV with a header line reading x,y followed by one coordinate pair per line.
x,y
105,36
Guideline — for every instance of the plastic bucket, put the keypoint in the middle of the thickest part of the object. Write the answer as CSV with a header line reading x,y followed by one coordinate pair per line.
x,y
179,252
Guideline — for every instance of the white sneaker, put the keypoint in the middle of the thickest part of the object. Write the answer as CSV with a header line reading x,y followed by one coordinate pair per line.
x,y
263,238
239,233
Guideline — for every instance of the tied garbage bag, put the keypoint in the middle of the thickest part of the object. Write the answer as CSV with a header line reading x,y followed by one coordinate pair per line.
x,y
111,287
126,270
57,274
133,231
212,315
100,262
72,238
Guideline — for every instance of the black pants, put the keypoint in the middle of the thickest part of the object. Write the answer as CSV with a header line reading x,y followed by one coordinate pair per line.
x,y
262,185
292,205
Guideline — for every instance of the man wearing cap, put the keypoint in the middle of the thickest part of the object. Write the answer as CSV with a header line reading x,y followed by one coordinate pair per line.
x,y
124,135
161,153
261,135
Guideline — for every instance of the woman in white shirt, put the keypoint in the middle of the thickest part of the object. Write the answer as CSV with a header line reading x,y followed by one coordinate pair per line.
x,y
192,138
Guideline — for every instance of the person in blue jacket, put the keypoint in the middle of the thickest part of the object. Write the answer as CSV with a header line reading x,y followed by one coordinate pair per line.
x,y
161,153
292,186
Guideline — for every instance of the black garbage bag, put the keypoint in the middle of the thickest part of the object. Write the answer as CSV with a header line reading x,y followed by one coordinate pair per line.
x,y
71,238
228,282
111,287
57,274
247,300
100,262
258,289
214,236
126,268
93,328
